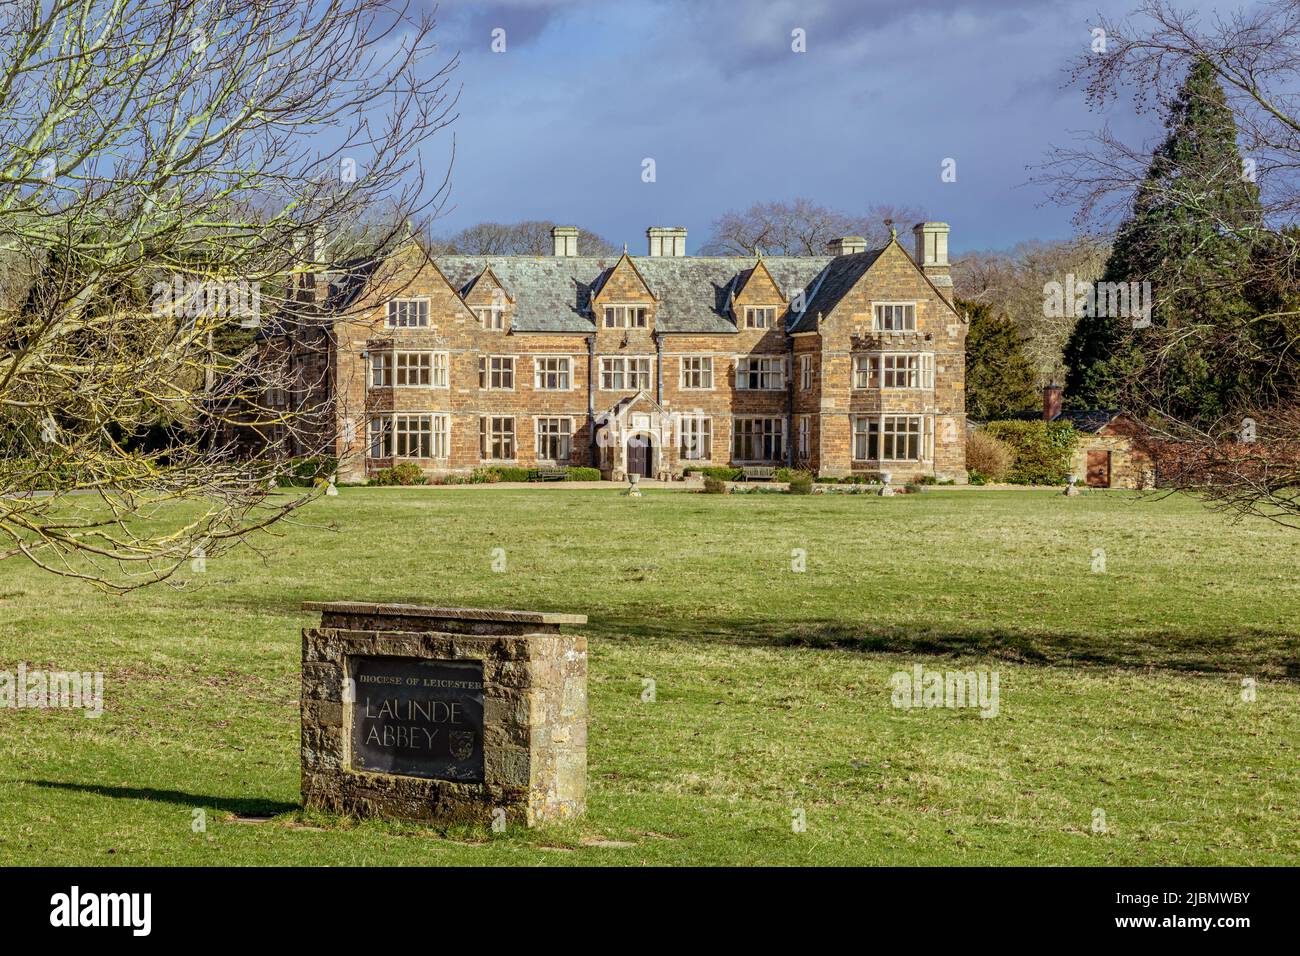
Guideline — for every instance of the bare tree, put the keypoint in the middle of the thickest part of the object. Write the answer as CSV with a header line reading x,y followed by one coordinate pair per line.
x,y
1144,58
1245,460
175,177
1013,282
800,228
529,238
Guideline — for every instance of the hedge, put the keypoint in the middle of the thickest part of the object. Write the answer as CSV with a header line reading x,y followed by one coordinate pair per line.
x,y
848,480
1043,450
492,474
738,474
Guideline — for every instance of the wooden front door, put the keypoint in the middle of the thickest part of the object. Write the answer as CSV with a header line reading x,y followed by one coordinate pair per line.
x,y
1098,469
640,456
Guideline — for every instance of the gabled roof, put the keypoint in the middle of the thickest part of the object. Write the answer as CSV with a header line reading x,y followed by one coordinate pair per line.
x,y
625,404
841,275
553,293
599,284
744,278
345,287
487,273
1088,419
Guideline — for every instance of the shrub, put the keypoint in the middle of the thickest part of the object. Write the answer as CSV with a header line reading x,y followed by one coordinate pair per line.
x,y
801,485
305,472
790,474
484,476
714,486
582,474
990,457
406,473
1042,450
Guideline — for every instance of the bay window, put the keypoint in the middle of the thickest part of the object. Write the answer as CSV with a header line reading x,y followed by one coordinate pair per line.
x,y
890,438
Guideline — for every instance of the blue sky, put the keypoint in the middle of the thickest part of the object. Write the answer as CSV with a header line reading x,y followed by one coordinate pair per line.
x,y
557,126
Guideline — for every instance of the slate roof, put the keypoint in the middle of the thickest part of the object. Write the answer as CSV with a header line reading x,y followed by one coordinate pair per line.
x,y
1089,420
842,273
553,293
692,293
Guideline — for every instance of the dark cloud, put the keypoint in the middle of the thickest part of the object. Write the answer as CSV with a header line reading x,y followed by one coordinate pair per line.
x,y
712,91
470,22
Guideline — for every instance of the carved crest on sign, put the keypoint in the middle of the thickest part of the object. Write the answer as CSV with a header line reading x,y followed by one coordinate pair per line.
x,y
462,744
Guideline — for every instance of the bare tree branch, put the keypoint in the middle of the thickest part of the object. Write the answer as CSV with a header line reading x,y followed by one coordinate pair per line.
x,y
178,182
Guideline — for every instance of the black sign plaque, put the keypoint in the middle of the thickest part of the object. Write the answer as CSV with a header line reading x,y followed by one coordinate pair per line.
x,y
418,718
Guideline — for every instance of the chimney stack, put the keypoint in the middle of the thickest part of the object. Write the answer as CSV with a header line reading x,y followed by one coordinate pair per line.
x,y
1051,401
932,254
565,240
667,240
847,245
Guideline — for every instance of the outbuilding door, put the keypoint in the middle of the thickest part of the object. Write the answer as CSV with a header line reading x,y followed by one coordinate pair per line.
x,y
1098,469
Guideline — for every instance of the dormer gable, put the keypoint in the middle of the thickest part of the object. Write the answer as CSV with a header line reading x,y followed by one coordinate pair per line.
x,y
624,299
757,287
758,302
486,288
623,282
489,300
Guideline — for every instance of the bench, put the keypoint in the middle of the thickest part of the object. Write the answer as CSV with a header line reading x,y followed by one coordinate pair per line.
x,y
552,474
758,473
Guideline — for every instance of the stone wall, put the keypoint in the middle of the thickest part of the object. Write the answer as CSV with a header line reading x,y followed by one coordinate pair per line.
x,y
534,740
827,407
847,331
1130,465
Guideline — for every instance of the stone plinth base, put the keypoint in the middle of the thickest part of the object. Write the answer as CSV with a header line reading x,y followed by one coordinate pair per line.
x,y
397,721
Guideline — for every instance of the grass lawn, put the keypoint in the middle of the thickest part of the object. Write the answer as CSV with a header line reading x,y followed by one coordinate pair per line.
x,y
1120,691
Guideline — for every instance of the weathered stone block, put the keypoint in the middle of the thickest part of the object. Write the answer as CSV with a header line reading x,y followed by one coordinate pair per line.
x,y
444,714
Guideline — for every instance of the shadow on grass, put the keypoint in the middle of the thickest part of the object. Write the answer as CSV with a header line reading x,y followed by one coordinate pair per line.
x,y
241,806
1247,651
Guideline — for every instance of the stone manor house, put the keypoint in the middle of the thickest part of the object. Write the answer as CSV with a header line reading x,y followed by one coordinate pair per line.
x,y
847,363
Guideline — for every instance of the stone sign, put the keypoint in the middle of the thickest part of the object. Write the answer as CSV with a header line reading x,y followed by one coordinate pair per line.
x,y
418,718
444,714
